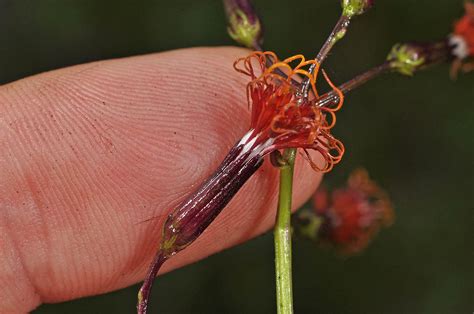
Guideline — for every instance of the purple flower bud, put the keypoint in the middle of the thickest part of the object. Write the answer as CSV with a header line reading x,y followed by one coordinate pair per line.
x,y
244,25
408,58
186,222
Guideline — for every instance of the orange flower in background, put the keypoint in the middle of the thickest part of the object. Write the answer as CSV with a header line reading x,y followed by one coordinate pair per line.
x,y
463,41
353,215
464,28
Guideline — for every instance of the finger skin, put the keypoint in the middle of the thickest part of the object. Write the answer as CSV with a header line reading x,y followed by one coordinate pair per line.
x,y
88,154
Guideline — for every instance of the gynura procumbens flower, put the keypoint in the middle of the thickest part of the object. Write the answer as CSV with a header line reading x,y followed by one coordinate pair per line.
x,y
346,218
279,119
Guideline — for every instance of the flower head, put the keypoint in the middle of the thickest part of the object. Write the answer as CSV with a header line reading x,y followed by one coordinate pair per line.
x,y
280,117
349,217
353,215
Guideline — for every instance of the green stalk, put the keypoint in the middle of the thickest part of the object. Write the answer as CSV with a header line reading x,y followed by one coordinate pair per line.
x,y
282,230
282,236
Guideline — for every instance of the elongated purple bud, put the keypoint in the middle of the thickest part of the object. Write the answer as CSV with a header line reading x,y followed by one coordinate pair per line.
x,y
187,221
192,216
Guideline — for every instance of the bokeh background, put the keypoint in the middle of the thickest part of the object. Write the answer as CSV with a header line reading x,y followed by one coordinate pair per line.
x,y
414,135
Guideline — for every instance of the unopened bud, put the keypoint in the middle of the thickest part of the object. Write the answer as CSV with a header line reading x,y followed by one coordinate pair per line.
x,y
351,8
410,57
244,25
405,59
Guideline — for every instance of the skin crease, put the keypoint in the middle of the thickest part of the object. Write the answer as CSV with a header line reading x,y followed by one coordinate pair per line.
x,y
94,156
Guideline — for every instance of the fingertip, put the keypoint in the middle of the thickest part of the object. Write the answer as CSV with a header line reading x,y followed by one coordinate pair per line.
x,y
104,146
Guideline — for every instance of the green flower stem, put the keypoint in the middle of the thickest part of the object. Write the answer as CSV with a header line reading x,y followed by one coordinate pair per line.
x,y
282,236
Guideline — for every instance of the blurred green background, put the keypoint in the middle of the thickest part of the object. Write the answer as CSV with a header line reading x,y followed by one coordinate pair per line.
x,y
414,135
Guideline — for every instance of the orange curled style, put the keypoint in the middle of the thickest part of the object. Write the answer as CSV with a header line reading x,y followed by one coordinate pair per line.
x,y
281,115
262,59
